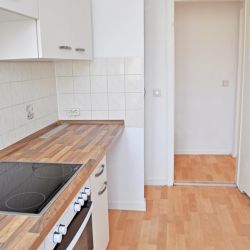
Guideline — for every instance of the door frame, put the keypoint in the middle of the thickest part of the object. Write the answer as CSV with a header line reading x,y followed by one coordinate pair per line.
x,y
239,93
171,89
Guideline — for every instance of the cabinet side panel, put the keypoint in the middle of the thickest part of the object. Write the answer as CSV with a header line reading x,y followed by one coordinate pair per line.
x,y
18,40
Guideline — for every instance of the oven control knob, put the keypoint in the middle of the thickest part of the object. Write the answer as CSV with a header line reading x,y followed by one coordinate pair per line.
x,y
80,200
84,196
62,229
87,191
57,238
77,207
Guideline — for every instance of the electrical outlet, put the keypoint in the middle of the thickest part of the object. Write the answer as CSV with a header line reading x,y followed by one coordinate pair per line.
x,y
73,112
30,111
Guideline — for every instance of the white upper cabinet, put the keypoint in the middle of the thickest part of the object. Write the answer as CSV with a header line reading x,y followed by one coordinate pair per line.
x,y
82,29
63,30
55,29
27,8
66,29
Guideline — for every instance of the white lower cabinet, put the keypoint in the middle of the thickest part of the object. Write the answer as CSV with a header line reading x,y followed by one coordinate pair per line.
x,y
100,207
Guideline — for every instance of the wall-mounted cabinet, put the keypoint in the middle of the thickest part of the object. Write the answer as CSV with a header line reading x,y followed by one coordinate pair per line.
x,y
27,8
63,30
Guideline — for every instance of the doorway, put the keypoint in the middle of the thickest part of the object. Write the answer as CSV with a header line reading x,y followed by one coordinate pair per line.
x,y
207,42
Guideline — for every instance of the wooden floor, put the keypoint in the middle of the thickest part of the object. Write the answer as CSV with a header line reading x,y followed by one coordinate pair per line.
x,y
205,168
192,218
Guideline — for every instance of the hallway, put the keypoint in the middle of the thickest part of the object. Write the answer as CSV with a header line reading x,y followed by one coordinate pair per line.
x,y
205,168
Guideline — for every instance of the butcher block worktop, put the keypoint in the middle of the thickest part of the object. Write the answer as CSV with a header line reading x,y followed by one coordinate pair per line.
x,y
84,142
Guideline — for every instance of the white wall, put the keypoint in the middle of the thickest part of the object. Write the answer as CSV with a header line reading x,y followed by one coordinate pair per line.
x,y
118,28
244,159
158,124
206,54
22,84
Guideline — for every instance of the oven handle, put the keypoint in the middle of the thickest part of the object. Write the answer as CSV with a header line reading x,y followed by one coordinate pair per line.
x,y
81,229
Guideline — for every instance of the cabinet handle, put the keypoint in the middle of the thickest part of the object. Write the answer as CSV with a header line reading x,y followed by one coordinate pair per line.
x,y
101,172
80,49
104,188
65,47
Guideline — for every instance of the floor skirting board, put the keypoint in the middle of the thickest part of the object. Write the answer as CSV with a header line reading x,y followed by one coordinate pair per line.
x,y
197,152
205,184
129,206
156,182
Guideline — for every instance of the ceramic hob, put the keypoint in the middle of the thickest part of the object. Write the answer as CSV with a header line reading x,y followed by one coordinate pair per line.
x,y
29,187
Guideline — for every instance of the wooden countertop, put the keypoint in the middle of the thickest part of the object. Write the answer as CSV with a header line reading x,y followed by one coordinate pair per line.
x,y
84,142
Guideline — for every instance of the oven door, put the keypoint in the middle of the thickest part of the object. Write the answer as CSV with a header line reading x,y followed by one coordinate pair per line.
x,y
79,234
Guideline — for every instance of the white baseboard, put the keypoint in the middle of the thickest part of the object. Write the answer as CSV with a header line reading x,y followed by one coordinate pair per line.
x,y
201,152
156,182
129,206
205,184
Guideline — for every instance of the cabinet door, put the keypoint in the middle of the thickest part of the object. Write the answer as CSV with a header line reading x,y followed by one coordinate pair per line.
x,y
54,29
24,7
82,29
100,207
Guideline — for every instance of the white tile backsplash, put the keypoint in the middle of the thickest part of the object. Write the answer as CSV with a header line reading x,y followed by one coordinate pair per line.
x,y
16,92
111,88
83,101
6,120
9,138
5,72
20,115
81,68
100,115
5,95
82,84
99,84
84,115
21,84
134,66
98,67
64,68
116,84
134,83
99,102
115,66
117,115
66,101
65,85
116,101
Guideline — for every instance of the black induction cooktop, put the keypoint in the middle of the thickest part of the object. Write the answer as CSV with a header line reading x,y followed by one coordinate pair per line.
x,y
29,187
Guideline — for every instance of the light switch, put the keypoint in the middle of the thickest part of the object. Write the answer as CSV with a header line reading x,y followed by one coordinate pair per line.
x,y
157,92
225,83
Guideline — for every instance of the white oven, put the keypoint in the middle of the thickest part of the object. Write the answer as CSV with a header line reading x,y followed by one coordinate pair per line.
x,y
73,230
